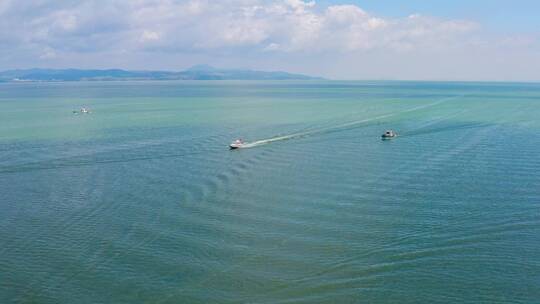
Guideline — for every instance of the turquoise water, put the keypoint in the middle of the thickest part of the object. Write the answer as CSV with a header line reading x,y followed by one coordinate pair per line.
x,y
142,202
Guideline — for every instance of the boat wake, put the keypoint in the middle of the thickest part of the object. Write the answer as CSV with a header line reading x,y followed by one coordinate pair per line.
x,y
445,128
340,127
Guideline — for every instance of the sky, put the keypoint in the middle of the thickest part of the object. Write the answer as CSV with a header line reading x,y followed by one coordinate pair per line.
x,y
491,40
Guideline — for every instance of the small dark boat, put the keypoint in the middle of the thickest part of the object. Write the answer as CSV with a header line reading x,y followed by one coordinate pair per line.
x,y
388,134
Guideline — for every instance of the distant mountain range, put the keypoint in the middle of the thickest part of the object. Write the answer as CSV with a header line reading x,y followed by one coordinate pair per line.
x,y
198,72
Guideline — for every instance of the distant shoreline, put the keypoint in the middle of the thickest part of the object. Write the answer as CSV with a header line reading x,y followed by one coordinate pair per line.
x,y
199,72
163,80
120,80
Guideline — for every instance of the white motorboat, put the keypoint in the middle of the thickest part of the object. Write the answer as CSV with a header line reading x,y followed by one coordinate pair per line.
x,y
237,144
83,110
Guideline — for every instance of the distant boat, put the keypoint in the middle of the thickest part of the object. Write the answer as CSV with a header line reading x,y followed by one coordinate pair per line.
x,y
388,134
236,144
83,110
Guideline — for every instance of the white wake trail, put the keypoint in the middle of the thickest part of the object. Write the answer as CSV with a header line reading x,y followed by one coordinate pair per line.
x,y
340,126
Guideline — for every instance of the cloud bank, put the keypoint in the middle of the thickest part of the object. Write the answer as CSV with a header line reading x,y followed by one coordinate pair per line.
x,y
338,40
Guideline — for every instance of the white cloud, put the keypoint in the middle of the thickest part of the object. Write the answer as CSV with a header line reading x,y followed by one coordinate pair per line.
x,y
299,6
293,25
149,36
65,21
262,29
345,14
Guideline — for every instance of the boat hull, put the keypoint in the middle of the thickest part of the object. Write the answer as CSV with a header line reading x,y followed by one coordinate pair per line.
x,y
235,146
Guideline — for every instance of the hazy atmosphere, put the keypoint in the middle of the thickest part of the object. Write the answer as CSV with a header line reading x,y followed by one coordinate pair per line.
x,y
461,40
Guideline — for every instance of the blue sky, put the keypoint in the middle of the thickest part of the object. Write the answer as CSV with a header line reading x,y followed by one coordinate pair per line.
x,y
353,39
504,15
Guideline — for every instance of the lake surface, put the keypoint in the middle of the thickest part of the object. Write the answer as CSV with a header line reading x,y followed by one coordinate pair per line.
x,y
142,202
